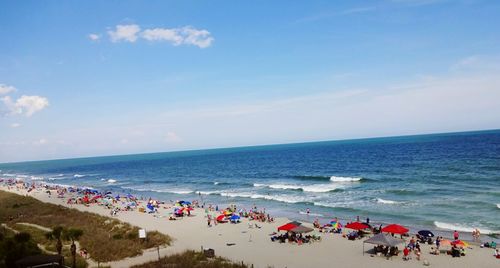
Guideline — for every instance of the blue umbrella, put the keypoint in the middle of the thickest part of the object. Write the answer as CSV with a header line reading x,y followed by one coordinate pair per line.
x,y
234,217
426,233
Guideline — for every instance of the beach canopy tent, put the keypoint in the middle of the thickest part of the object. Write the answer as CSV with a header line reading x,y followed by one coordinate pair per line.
x,y
289,226
301,229
395,229
425,233
383,240
357,225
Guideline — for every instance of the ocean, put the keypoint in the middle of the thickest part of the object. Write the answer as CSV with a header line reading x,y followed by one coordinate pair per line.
x,y
439,182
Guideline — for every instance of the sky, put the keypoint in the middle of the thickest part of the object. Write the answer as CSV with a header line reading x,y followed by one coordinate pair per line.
x,y
90,78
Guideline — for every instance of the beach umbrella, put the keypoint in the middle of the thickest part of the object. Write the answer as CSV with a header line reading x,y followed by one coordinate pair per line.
x,y
395,229
445,242
336,225
289,226
227,212
356,225
221,218
425,233
460,243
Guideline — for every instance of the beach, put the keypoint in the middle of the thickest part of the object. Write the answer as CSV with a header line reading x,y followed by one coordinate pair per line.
x,y
238,242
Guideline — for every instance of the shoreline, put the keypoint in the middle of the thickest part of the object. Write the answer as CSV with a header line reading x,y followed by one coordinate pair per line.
x,y
253,245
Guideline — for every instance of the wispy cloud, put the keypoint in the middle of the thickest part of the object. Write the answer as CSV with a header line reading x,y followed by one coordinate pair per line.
x,y
94,37
125,33
417,2
6,89
186,35
330,14
357,10
25,105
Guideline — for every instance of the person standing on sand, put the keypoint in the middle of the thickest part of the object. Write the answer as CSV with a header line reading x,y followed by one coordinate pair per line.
x,y
308,211
455,235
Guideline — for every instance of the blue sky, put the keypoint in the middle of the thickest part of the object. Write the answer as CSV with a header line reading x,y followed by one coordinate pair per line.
x,y
85,78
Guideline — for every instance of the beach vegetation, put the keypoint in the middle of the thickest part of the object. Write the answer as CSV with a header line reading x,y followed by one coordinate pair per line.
x,y
105,239
192,259
14,247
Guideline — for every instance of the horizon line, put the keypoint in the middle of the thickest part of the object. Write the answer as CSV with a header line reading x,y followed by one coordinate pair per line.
x,y
257,145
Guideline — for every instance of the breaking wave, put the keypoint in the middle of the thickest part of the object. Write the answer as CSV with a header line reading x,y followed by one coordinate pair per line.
x,y
316,188
345,179
390,202
280,198
79,176
461,228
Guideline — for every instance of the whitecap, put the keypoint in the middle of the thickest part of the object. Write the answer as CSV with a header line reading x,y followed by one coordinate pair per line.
x,y
216,182
315,188
111,180
34,178
79,175
280,198
498,205
462,228
9,175
344,179
258,185
385,201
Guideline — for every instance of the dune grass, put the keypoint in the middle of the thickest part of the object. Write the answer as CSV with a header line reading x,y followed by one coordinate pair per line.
x,y
192,259
104,238
39,237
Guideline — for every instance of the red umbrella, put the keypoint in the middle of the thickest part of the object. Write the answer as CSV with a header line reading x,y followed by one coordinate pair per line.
x,y
357,225
395,229
220,218
287,227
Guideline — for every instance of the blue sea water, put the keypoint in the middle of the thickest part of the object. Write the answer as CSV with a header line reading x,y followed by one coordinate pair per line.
x,y
441,181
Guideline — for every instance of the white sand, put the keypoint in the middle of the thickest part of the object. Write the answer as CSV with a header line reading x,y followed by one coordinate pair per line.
x,y
253,246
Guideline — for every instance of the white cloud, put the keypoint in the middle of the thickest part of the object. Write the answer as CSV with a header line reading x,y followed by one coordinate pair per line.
x,y
94,37
6,89
15,125
25,105
199,38
186,35
160,34
127,33
177,36
172,137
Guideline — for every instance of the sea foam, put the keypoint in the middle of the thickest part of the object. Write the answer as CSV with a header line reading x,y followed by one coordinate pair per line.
x,y
385,201
344,179
315,188
79,175
462,228
280,198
